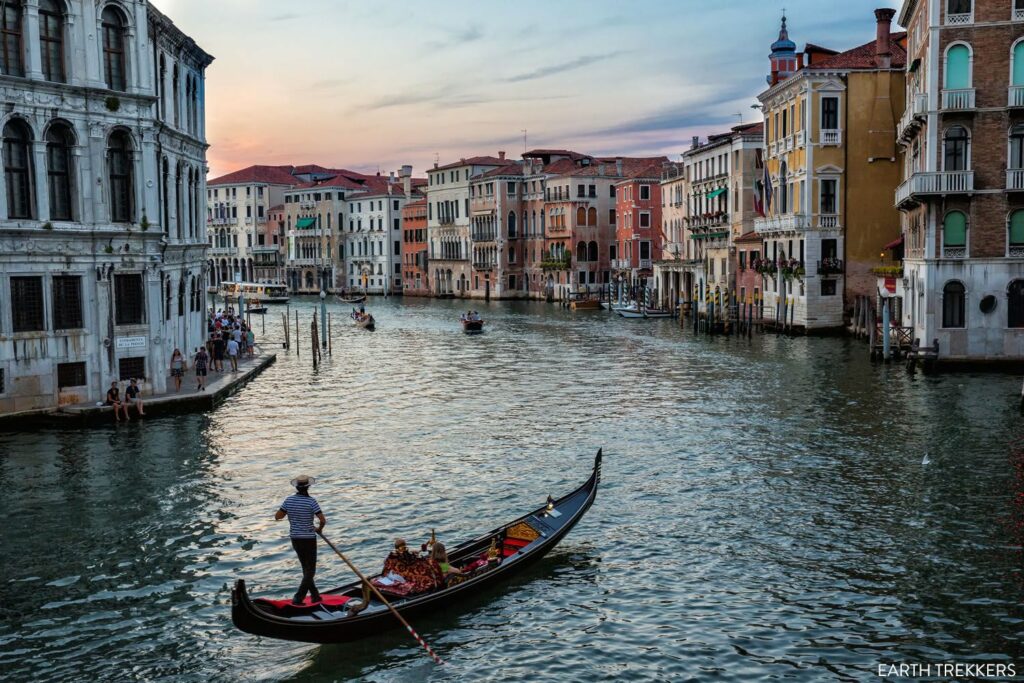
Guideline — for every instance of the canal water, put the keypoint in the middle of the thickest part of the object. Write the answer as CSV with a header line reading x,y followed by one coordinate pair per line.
x,y
765,510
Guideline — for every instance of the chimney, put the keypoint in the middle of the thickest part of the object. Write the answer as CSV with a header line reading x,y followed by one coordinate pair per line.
x,y
406,175
501,154
618,166
883,51
695,142
391,176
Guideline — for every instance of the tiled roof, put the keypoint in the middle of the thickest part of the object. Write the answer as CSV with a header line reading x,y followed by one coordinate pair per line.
x,y
279,207
422,201
272,175
863,56
750,128
575,156
748,238
473,161
507,169
632,167
335,181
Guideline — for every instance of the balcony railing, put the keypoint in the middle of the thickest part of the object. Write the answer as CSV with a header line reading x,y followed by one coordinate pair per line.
x,y
913,115
483,265
945,182
830,266
484,235
960,19
446,220
221,251
1015,179
302,261
1018,14
828,221
266,248
831,136
1015,96
954,252
782,223
645,263
958,100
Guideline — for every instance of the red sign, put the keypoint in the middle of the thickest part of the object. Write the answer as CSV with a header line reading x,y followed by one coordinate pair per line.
x,y
890,285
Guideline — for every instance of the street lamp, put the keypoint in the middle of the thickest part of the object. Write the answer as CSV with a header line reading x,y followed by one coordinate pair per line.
x,y
323,317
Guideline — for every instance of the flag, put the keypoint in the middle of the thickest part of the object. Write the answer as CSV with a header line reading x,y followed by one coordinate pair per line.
x,y
768,191
758,184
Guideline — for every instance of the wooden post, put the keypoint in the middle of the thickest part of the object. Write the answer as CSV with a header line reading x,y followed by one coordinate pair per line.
x,y
284,326
329,335
312,338
297,339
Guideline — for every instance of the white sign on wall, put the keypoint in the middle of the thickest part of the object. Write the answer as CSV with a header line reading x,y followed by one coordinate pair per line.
x,y
131,342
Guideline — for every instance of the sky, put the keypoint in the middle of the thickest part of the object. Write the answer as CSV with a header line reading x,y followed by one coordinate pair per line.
x,y
370,86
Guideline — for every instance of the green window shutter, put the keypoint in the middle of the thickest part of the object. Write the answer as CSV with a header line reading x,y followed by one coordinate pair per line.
x,y
1018,64
1017,228
954,230
958,68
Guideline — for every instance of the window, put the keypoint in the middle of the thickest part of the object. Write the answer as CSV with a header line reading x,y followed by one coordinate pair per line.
x,y
828,287
953,300
59,141
11,62
119,162
954,156
398,247
17,168
954,234
27,304
1016,156
645,219
1015,304
592,190
645,250
132,368
51,39
958,7
113,50
67,302
611,190
511,224
1017,62
1016,233
70,375
645,192
829,113
128,299
611,216
828,196
958,66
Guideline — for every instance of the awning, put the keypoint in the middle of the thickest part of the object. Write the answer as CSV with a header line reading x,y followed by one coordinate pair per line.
x,y
303,223
715,193
895,243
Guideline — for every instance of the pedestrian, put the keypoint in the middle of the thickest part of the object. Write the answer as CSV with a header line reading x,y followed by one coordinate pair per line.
x,y
177,368
300,507
250,341
218,351
233,354
133,395
114,399
199,363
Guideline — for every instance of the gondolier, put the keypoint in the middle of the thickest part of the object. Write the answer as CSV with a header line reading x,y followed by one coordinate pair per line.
x,y
300,508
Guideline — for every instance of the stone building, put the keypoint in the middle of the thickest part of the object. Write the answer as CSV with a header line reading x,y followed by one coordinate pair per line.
x,y
102,199
962,202
415,271
638,232
496,225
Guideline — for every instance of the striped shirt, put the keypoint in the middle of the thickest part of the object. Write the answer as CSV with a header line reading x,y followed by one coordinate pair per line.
x,y
300,511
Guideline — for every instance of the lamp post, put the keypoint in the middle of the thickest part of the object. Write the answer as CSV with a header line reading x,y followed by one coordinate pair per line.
x,y
323,318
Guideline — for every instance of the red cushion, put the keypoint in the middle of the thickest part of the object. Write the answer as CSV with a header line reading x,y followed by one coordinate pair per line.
x,y
517,542
308,602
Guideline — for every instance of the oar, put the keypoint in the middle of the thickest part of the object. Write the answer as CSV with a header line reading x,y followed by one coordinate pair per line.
x,y
380,597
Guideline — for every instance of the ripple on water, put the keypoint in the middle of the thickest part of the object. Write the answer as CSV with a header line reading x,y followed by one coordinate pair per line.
x,y
757,519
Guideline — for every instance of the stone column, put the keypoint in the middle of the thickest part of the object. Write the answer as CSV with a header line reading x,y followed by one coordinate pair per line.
x,y
149,180
42,188
173,235
33,56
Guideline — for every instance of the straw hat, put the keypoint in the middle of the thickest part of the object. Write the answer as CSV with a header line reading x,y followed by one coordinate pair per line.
x,y
303,480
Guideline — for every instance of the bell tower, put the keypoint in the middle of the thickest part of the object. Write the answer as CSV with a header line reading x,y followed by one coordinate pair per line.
x,y
784,59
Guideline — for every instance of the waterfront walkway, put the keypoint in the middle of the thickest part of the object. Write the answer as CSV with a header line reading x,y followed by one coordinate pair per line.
x,y
219,386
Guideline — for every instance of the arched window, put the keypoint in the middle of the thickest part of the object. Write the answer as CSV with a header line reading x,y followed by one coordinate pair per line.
x,y
59,141
954,235
1015,233
18,169
113,49
160,90
592,251
119,164
1017,64
581,216
581,251
181,296
783,189
592,216
176,95
1015,304
167,299
953,304
511,224
958,68
1016,156
11,62
51,39
954,157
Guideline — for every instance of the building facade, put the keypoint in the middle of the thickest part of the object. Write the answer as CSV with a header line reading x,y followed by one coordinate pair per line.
x,y
829,164
268,252
962,202
102,251
638,229
415,265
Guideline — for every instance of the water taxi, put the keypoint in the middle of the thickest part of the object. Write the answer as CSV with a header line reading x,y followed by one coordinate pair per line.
x,y
266,293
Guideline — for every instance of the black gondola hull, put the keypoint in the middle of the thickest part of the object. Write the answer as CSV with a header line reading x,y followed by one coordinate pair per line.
x,y
250,618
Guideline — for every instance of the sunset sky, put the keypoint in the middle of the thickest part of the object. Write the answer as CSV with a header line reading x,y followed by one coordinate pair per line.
x,y
368,85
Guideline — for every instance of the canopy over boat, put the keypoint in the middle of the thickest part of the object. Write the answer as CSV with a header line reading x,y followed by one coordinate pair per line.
x,y
486,560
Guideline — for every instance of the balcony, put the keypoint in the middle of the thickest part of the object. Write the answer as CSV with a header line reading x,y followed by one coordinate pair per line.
x,y
484,235
1018,14
800,138
828,221
302,262
220,251
483,265
789,222
831,137
1015,179
960,19
954,252
620,264
830,266
958,100
1015,96
942,183
266,249
645,263
446,220
913,116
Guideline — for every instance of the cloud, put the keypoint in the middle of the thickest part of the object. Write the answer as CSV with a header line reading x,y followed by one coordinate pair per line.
x,y
553,69
470,33
713,112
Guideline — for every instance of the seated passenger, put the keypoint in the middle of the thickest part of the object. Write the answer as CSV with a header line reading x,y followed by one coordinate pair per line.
x,y
439,555
402,552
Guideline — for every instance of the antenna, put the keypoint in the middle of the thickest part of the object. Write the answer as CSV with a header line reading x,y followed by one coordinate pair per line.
x,y
740,116
525,148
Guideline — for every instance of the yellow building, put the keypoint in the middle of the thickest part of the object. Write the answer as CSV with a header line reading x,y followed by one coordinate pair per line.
x,y
831,162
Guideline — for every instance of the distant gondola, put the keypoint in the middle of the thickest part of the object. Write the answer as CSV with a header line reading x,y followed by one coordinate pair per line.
x,y
366,322
472,326
352,300
518,544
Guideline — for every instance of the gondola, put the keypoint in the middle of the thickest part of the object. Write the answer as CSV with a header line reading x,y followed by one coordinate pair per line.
x,y
352,300
516,545
256,310
471,326
367,323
